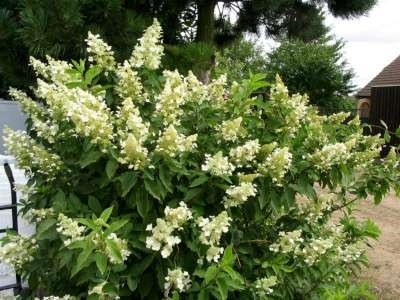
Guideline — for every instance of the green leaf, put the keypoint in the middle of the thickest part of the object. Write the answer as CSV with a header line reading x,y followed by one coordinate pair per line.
x,y
92,73
59,203
114,250
211,273
199,180
142,266
128,181
166,178
90,157
132,283
95,205
111,168
101,262
143,206
83,258
203,295
228,258
153,188
105,215
43,227
222,288
114,226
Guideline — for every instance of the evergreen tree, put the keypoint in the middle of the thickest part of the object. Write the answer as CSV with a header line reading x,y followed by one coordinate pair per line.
x,y
58,27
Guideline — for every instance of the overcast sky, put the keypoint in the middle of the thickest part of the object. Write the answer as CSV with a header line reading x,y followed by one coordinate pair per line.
x,y
372,41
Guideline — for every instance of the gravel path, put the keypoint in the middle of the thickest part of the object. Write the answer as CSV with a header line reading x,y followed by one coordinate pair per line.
x,y
384,270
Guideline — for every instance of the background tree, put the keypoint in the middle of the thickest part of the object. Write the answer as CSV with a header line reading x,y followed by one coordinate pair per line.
x,y
315,68
57,28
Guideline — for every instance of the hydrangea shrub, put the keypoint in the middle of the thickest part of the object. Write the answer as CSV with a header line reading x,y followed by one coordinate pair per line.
x,y
148,185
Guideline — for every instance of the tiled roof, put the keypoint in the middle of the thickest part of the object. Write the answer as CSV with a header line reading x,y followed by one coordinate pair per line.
x,y
390,75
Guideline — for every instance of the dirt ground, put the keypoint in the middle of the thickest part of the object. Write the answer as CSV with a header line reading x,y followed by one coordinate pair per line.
x,y
383,273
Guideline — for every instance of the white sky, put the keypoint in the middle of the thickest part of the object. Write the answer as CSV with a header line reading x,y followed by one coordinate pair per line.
x,y
372,41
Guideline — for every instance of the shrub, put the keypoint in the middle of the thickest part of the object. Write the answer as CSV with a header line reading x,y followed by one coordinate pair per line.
x,y
145,185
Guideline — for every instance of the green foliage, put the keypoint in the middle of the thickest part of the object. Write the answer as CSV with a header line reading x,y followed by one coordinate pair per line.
x,y
188,191
239,60
58,28
315,68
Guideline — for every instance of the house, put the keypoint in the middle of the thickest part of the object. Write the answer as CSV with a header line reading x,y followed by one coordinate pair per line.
x,y
10,116
379,101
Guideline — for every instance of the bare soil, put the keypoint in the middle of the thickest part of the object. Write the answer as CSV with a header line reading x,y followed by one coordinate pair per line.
x,y
383,273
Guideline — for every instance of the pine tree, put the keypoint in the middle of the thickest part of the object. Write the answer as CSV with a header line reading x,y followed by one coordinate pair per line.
x,y
58,27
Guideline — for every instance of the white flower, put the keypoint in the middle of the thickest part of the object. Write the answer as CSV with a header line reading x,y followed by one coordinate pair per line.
x,y
231,130
218,165
70,229
172,97
162,237
287,242
173,143
128,84
100,52
177,280
212,229
149,50
237,195
241,155
330,155
263,285
16,250
32,156
121,245
277,164
315,249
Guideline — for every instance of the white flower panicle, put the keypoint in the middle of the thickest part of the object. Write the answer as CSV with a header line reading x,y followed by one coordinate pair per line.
x,y
218,165
243,155
212,229
149,50
121,245
54,70
314,210
264,285
196,90
277,164
40,214
100,52
331,155
172,97
70,229
29,106
238,195
231,130
291,110
89,113
162,237
16,250
41,123
129,84
65,297
32,156
132,132
313,251
350,253
172,143
91,116
133,153
287,242
176,280
217,90
97,289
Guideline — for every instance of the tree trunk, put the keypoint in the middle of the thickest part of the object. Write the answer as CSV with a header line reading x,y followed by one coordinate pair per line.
x,y
205,32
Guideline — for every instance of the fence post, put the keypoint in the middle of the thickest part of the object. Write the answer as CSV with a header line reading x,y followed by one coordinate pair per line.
x,y
14,212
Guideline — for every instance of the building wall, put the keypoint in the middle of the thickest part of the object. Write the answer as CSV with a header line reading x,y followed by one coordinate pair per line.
x,y
11,116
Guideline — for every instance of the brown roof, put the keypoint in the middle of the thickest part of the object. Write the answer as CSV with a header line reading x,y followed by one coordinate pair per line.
x,y
390,75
